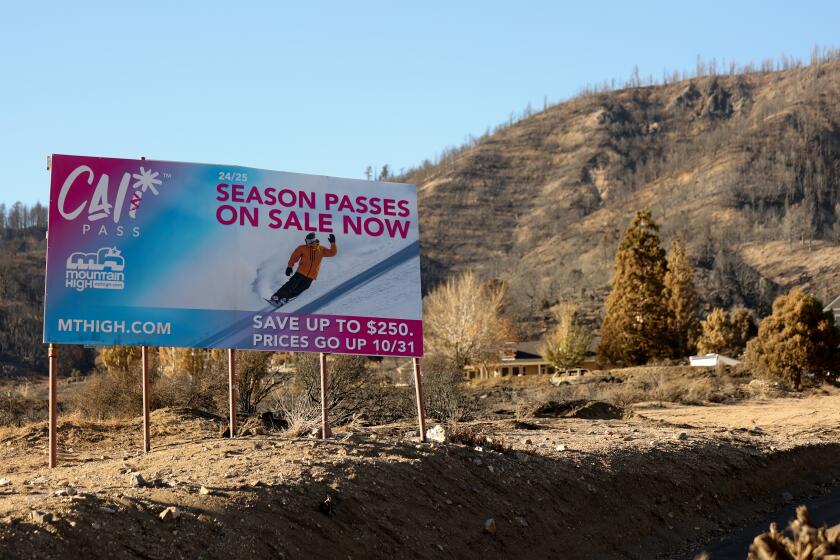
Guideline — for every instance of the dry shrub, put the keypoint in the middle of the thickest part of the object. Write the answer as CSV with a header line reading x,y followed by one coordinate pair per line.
x,y
468,435
444,392
296,407
110,394
680,384
356,392
180,377
797,340
807,543
20,405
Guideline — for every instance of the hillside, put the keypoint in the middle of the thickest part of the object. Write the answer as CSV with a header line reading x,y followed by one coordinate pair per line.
x,y
743,167
22,253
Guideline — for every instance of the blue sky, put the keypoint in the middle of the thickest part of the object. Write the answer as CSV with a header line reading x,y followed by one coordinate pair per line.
x,y
332,87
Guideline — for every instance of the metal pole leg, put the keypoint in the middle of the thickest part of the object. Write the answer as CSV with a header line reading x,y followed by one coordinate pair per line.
x,y
53,355
147,439
325,421
418,393
232,390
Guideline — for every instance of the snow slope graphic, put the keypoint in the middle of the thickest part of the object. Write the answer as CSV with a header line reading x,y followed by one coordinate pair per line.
x,y
385,272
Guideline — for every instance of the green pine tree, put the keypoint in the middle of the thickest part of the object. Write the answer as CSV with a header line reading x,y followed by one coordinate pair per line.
x,y
637,318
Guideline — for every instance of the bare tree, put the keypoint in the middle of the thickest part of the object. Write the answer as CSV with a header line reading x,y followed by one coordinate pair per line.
x,y
463,320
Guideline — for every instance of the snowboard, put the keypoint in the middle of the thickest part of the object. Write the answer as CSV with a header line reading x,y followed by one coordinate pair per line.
x,y
276,305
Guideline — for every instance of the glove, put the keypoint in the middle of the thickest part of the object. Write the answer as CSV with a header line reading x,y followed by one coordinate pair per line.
x,y
331,238
288,271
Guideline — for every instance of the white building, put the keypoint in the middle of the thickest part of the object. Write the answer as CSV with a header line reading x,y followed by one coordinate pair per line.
x,y
712,360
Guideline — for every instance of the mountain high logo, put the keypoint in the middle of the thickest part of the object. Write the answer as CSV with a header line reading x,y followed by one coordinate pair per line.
x,y
102,270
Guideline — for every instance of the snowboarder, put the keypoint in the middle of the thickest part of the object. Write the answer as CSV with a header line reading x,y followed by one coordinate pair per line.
x,y
309,256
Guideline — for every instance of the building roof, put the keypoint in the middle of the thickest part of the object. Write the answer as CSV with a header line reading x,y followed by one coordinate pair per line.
x,y
522,355
835,304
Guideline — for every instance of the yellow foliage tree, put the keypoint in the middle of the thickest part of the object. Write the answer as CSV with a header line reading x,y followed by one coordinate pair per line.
x,y
725,333
565,346
119,358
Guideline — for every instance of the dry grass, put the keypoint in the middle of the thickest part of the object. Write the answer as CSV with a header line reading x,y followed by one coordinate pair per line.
x,y
678,384
469,435
620,387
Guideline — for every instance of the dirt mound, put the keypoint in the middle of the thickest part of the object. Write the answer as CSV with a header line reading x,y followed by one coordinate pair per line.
x,y
589,410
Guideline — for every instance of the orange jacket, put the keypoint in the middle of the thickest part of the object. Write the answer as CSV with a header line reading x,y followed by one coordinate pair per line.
x,y
310,258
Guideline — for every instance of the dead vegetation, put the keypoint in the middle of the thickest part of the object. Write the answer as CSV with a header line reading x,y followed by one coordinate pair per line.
x,y
806,541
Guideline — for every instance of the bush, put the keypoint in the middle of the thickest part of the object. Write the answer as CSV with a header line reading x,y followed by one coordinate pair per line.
x,y
443,389
111,394
725,333
254,379
192,378
797,338
356,392
566,345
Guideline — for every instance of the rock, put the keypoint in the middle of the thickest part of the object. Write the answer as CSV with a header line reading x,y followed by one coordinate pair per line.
x,y
787,497
5,482
522,521
524,457
682,436
477,461
40,517
490,526
527,441
137,480
70,491
326,507
104,509
436,434
204,491
169,515
560,447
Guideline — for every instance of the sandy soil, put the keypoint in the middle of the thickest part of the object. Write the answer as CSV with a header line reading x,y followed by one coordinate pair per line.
x,y
651,485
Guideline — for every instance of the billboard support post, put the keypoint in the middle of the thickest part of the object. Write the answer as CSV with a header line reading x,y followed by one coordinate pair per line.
x,y
418,393
147,443
325,421
53,355
232,390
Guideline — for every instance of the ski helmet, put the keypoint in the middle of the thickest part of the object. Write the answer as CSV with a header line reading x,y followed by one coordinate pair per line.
x,y
310,238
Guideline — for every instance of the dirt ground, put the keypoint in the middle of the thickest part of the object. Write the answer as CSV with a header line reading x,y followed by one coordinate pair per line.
x,y
651,484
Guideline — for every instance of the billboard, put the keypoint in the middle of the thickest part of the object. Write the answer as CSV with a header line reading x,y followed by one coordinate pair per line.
x,y
162,253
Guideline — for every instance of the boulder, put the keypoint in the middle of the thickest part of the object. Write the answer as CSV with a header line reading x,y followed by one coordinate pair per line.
x,y
436,434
